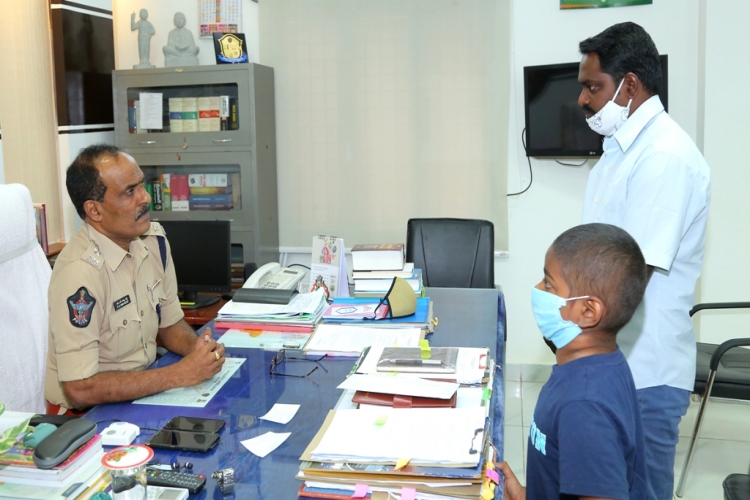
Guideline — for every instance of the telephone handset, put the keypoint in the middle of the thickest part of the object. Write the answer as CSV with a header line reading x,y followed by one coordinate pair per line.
x,y
272,275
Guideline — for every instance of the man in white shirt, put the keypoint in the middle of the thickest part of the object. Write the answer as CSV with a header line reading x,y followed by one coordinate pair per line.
x,y
653,182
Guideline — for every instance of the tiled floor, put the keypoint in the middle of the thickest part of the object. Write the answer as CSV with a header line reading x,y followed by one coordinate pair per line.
x,y
723,448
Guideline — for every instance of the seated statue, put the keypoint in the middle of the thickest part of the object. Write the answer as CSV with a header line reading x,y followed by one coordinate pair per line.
x,y
180,49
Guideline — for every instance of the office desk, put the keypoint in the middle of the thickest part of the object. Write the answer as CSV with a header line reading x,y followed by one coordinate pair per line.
x,y
252,392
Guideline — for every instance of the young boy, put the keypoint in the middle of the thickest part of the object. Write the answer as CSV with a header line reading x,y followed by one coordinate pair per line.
x,y
585,439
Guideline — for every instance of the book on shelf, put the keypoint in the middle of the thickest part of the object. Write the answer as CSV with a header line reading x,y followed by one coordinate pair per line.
x,y
150,189
384,284
204,114
211,198
131,116
214,116
224,112
175,114
207,180
211,206
378,257
157,197
189,114
40,219
234,117
166,193
211,190
180,193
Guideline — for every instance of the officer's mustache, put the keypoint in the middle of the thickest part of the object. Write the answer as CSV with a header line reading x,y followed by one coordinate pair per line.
x,y
143,211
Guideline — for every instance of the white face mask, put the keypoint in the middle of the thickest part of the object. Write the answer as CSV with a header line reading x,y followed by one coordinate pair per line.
x,y
610,117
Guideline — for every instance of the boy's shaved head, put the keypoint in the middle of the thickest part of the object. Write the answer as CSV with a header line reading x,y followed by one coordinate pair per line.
x,y
604,261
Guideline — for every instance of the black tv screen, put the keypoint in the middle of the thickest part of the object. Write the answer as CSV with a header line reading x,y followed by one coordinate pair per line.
x,y
555,124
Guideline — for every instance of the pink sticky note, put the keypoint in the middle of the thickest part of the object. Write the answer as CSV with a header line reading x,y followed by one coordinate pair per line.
x,y
493,475
408,493
360,491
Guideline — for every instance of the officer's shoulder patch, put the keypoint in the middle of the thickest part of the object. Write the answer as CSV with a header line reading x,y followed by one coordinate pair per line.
x,y
155,230
80,307
93,256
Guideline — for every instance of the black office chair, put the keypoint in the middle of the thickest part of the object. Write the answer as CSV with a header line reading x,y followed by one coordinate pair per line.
x,y
452,253
722,372
737,487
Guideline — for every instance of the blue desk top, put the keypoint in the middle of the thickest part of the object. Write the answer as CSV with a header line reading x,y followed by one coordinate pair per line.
x,y
249,394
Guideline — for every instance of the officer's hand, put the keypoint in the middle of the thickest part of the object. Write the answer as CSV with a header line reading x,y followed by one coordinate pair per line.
x,y
512,487
204,338
202,364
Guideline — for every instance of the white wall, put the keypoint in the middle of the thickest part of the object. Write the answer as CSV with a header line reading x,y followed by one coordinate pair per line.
x,y
160,14
543,34
68,146
726,147
2,169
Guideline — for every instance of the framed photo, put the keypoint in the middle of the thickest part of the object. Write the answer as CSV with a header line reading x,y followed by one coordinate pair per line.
x,y
596,4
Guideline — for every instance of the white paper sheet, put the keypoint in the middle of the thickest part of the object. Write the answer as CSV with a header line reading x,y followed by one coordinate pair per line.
x,y
151,108
197,396
345,340
281,413
265,443
423,435
388,384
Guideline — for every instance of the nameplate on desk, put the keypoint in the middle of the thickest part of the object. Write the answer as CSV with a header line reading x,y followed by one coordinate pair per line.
x,y
263,295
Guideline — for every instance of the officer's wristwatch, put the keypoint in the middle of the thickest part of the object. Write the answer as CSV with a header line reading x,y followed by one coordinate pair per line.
x,y
225,480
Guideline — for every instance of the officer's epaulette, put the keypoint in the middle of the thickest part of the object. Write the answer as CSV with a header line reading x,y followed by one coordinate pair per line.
x,y
93,256
155,230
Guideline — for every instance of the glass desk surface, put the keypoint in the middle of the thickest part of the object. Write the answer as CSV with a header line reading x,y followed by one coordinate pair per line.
x,y
249,394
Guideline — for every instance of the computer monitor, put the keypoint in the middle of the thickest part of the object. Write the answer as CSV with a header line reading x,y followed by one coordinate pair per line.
x,y
201,254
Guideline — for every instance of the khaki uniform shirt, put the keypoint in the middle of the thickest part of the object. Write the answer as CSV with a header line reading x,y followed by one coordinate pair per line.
x,y
103,307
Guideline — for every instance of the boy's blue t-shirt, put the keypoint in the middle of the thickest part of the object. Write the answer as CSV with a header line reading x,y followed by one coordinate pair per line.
x,y
586,438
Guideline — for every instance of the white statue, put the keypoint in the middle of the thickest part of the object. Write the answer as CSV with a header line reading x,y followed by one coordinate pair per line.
x,y
145,32
180,49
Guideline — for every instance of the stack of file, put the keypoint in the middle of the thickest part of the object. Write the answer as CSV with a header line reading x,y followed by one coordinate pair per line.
x,y
387,450
79,476
384,448
301,314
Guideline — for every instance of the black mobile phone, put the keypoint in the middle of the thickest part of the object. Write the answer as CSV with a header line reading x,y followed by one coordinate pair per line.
x,y
183,440
194,424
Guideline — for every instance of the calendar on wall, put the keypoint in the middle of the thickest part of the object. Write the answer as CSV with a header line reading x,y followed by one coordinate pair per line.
x,y
219,16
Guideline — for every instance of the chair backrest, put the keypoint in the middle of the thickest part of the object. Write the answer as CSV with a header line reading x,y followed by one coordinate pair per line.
x,y
24,279
455,253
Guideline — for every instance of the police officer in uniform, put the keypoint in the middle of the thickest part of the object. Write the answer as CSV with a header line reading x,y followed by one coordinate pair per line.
x,y
113,293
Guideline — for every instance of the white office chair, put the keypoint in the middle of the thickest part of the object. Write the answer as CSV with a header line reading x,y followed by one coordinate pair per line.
x,y
24,279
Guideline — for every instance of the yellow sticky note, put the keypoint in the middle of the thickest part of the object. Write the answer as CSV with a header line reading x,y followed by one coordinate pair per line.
x,y
401,463
488,491
424,347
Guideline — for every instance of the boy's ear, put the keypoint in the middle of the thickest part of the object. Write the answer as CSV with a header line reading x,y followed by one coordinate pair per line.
x,y
591,313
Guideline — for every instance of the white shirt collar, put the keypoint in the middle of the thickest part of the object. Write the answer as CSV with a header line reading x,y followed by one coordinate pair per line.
x,y
629,131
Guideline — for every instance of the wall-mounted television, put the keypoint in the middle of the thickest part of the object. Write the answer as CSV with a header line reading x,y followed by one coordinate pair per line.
x,y
555,124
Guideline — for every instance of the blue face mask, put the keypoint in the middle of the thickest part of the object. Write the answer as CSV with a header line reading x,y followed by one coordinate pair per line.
x,y
546,308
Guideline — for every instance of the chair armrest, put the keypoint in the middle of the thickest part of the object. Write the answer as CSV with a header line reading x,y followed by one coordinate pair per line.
x,y
719,305
723,348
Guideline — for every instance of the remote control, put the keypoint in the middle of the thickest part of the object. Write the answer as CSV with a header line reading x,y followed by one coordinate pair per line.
x,y
173,479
